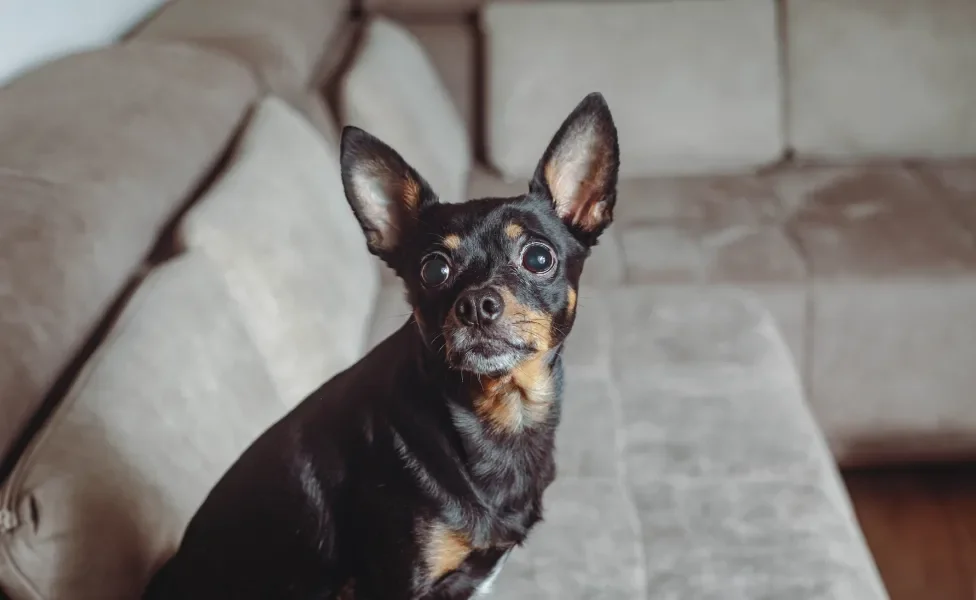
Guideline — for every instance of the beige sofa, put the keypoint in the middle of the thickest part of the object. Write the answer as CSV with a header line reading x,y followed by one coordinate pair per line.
x,y
178,267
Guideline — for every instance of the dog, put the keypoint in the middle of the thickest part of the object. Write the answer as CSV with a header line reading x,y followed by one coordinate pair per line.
x,y
414,473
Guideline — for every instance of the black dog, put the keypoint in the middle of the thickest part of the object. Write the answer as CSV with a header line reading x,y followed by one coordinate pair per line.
x,y
412,474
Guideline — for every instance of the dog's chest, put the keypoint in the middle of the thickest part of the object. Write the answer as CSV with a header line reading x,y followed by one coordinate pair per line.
x,y
510,483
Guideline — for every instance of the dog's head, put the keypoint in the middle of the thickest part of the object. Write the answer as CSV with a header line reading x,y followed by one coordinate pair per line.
x,y
492,281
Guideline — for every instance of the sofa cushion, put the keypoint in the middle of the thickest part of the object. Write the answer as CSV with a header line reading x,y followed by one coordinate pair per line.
x,y
734,489
958,183
450,45
679,105
99,150
891,327
721,231
162,409
283,41
279,229
312,106
856,223
882,78
393,91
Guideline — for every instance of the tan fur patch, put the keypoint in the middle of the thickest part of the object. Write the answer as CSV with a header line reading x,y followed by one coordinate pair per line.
x,y
444,550
525,395
411,194
521,398
535,327
452,242
513,230
571,300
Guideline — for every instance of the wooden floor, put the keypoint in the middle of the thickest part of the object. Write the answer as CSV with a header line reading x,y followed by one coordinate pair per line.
x,y
921,526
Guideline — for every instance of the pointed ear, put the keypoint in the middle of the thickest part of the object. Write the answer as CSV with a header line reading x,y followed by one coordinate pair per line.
x,y
578,171
385,193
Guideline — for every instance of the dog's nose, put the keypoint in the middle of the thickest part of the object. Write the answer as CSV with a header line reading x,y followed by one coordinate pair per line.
x,y
479,307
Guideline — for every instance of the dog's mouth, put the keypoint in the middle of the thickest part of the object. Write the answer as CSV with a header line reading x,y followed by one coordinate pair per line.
x,y
484,353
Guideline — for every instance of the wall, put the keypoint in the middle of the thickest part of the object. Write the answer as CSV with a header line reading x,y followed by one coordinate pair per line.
x,y
35,31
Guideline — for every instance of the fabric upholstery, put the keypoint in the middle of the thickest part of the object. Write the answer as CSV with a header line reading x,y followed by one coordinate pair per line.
x,y
656,474
894,283
394,92
720,231
450,45
957,181
282,41
162,409
279,229
718,108
881,78
99,150
312,106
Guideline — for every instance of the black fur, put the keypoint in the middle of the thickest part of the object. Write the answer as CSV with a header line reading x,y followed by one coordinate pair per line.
x,y
402,457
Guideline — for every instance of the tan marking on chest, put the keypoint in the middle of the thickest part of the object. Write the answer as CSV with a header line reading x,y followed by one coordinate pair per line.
x,y
518,399
513,230
444,550
452,242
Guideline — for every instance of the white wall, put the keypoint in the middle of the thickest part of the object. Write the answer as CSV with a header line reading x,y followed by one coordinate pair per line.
x,y
35,31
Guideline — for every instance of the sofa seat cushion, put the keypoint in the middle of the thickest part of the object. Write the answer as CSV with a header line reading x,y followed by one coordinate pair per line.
x,y
733,485
881,78
282,41
893,265
162,409
99,150
687,459
680,105
393,91
868,271
957,181
279,228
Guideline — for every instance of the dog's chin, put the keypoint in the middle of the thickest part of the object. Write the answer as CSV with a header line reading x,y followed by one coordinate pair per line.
x,y
485,357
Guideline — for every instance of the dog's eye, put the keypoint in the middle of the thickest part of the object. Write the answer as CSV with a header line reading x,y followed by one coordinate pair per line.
x,y
435,270
538,258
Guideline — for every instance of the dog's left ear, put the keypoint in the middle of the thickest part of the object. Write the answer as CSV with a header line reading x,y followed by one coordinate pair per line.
x,y
578,171
385,193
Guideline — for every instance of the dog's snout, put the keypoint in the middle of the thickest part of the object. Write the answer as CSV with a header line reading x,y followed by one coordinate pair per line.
x,y
479,307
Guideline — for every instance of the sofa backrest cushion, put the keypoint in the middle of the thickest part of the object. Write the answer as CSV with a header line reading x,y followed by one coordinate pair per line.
x,y
283,41
99,150
891,79
451,46
161,410
279,229
693,86
392,90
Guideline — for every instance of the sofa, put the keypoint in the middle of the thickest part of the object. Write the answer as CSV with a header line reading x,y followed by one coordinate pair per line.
x,y
788,285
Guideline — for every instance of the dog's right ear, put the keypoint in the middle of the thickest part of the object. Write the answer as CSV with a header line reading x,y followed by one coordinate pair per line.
x,y
385,193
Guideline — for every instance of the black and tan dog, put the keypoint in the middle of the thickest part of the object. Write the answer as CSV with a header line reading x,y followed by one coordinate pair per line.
x,y
413,474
